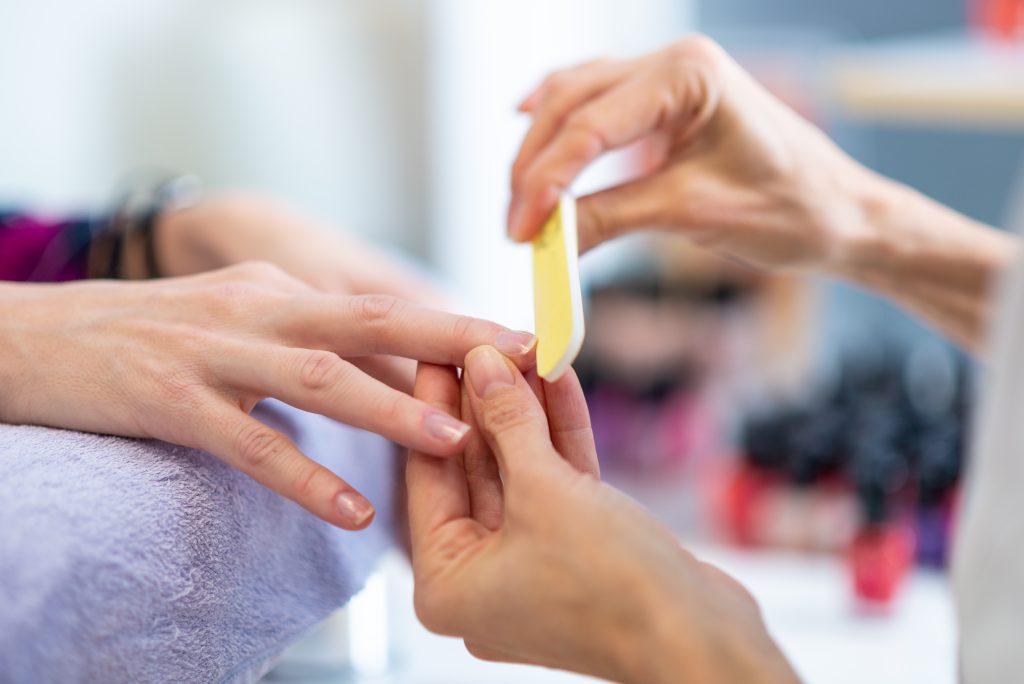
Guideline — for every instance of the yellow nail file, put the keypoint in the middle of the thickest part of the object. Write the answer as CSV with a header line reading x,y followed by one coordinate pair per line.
x,y
557,296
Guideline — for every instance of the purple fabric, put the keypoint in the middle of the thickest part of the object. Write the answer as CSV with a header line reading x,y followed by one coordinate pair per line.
x,y
36,250
137,561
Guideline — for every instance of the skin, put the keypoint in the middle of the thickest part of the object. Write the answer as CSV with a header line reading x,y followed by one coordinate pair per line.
x,y
531,559
540,562
737,171
186,359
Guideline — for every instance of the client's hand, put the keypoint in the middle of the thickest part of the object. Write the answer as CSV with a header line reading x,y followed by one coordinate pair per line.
x,y
732,167
570,574
229,229
186,359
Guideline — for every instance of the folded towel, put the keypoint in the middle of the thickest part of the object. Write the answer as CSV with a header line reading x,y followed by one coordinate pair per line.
x,y
137,561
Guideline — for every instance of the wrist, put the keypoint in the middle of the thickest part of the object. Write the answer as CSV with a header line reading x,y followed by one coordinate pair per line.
x,y
14,367
726,645
183,242
905,236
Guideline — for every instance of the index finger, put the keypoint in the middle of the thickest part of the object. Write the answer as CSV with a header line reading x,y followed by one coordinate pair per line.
x,y
672,90
366,325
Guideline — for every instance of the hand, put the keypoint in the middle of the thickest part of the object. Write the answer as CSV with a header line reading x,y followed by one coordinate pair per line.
x,y
537,561
734,169
185,360
224,230
739,172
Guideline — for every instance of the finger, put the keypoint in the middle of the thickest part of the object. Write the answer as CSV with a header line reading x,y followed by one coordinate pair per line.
x,y
274,461
527,104
437,487
626,113
486,494
569,423
507,412
557,96
321,382
394,371
492,654
636,205
366,325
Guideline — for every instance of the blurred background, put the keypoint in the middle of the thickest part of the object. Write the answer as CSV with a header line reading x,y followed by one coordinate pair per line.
x,y
806,435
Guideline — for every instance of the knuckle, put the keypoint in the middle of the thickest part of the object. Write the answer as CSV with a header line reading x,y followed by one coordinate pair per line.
x,y
506,411
182,386
307,482
375,310
319,370
466,329
586,136
554,81
697,46
260,271
392,406
234,296
259,446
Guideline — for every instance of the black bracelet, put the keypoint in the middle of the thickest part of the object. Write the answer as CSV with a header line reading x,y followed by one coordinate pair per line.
x,y
137,215
145,233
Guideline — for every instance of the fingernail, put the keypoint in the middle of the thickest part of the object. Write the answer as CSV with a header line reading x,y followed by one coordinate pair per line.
x,y
515,216
354,508
443,427
514,342
488,370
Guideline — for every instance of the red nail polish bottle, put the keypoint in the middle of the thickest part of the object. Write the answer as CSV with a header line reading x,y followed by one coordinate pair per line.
x,y
882,552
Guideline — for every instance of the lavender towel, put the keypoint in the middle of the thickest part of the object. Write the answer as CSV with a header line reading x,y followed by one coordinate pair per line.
x,y
137,561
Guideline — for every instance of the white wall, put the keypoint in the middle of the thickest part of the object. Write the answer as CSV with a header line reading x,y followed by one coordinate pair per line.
x,y
318,101
485,57
393,118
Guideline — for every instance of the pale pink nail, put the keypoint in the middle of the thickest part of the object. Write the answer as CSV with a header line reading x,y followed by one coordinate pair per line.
x,y
488,370
354,508
443,427
514,342
515,217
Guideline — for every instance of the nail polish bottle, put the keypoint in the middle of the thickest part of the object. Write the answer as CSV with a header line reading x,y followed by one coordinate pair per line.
x,y
883,549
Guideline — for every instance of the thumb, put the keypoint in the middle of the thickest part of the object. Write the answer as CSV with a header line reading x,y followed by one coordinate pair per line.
x,y
508,413
639,204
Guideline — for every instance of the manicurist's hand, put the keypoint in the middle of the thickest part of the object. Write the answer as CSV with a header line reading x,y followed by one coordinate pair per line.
x,y
185,360
536,561
737,171
232,228
733,167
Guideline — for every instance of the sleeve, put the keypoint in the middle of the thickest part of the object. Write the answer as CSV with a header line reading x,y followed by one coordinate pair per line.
x,y
40,250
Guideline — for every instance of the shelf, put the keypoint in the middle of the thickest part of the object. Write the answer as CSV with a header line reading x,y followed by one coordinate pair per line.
x,y
953,80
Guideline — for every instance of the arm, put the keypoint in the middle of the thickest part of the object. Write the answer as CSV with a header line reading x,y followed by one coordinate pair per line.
x,y
185,360
935,262
739,172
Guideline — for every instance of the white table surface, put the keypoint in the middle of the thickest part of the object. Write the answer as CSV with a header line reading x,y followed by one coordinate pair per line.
x,y
807,606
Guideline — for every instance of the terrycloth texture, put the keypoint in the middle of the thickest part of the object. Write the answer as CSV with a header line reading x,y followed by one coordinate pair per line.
x,y
136,561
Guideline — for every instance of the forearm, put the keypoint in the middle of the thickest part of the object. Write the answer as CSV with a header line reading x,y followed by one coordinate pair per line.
x,y
937,263
729,644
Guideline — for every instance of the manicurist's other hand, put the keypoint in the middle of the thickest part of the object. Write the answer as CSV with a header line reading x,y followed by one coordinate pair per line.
x,y
534,560
731,166
186,359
